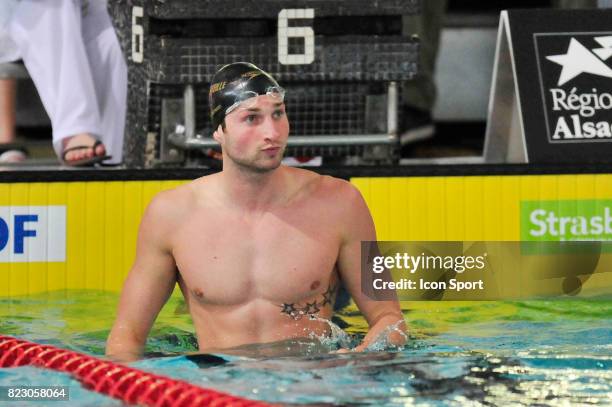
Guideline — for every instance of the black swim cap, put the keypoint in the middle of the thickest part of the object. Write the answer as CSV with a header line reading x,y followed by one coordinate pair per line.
x,y
232,83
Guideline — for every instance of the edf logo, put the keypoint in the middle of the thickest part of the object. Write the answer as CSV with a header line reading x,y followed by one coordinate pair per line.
x,y
32,234
20,233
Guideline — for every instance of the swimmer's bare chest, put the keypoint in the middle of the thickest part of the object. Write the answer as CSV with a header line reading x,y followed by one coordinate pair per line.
x,y
285,256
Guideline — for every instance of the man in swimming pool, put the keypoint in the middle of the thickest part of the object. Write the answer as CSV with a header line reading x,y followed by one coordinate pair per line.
x,y
258,249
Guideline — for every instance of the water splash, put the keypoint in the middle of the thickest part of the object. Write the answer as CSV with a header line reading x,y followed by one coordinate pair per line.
x,y
337,337
382,342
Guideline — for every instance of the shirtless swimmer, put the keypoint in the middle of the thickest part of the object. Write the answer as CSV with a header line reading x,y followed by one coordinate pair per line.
x,y
256,248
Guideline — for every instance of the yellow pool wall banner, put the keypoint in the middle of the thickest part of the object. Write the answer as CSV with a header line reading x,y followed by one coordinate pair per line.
x,y
101,223
82,235
472,207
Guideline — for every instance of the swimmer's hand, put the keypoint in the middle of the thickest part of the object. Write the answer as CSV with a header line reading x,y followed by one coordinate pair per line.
x,y
386,333
389,330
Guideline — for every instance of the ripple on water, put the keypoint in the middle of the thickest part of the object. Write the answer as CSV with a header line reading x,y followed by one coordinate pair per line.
x,y
480,353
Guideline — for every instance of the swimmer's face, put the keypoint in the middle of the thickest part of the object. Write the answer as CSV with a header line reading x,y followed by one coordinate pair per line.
x,y
255,135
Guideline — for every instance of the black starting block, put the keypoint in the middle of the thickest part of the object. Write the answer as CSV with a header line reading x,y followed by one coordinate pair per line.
x,y
340,62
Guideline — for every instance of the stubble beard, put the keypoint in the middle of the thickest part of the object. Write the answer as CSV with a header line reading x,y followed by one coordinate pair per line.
x,y
252,166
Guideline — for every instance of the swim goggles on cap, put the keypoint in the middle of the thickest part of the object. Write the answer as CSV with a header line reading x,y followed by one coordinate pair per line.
x,y
247,98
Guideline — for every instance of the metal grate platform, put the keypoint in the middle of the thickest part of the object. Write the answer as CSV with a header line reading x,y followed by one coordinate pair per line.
x,y
338,68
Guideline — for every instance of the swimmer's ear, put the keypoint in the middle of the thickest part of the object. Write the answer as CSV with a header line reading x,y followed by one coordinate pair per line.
x,y
219,134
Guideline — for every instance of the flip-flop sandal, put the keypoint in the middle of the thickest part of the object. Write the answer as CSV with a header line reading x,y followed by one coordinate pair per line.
x,y
12,153
85,162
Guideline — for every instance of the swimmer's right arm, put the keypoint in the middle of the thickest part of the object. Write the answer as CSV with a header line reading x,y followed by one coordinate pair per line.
x,y
147,287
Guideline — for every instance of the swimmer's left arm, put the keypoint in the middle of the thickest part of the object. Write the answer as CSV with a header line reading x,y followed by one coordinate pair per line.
x,y
358,227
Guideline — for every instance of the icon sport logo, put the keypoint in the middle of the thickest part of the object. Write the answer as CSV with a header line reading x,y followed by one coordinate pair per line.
x,y
579,59
576,85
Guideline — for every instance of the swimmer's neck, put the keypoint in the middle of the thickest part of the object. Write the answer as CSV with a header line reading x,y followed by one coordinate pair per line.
x,y
253,191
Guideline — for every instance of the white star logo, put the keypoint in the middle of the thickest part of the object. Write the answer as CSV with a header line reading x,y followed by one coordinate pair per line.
x,y
580,60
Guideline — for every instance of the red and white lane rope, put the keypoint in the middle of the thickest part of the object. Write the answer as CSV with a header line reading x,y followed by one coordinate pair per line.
x,y
130,385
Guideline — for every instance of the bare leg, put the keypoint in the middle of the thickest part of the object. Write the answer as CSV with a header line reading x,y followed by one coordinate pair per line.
x,y
7,110
7,123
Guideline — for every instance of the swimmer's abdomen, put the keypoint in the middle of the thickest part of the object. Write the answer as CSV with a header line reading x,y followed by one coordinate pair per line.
x,y
257,321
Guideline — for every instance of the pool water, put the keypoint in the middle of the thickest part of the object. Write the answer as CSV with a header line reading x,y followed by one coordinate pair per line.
x,y
459,353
